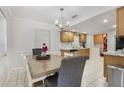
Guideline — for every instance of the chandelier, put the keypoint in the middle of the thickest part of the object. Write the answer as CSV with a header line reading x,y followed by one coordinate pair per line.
x,y
60,24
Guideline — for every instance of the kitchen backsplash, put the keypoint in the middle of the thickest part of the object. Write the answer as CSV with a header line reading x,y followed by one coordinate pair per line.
x,y
74,44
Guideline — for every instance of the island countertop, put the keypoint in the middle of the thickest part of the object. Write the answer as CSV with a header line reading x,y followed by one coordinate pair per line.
x,y
72,48
112,58
114,53
78,51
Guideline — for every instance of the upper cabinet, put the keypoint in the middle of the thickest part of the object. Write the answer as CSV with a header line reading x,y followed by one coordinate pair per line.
x,y
82,38
98,39
70,36
120,21
66,36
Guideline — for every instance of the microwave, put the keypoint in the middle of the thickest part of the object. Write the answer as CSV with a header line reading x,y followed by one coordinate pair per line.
x,y
119,43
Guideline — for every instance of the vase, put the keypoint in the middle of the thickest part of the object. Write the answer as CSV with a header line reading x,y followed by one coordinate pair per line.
x,y
43,53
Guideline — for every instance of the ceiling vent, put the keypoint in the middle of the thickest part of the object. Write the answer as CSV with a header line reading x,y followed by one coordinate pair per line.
x,y
74,16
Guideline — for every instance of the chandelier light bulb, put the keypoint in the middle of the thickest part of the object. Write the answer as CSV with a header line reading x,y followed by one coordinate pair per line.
x,y
56,22
60,25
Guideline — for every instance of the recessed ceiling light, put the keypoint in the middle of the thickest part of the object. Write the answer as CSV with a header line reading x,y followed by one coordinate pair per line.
x,y
114,26
105,20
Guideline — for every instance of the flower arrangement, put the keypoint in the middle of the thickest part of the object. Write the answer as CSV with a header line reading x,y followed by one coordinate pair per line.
x,y
44,48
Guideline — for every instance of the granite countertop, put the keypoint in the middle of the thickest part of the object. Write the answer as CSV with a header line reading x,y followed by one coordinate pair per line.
x,y
113,53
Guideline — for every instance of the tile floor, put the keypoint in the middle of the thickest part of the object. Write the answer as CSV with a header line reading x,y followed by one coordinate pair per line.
x,y
93,72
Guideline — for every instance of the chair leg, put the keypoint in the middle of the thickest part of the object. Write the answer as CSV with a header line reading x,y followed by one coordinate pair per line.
x,y
44,84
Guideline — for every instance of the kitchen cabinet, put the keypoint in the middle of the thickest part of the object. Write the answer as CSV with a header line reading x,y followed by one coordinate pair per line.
x,y
98,39
70,36
66,36
110,59
120,21
82,38
83,52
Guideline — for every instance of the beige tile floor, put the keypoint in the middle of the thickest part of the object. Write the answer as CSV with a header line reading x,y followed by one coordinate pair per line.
x,y
93,72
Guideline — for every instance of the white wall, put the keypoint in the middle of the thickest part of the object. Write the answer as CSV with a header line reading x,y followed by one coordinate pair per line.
x,y
3,46
7,32
89,43
22,36
111,40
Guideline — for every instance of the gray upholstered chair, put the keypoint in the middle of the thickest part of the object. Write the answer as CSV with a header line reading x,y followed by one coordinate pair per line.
x,y
36,51
70,73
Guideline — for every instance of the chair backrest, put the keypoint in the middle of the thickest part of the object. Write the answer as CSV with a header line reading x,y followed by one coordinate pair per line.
x,y
14,71
36,51
71,71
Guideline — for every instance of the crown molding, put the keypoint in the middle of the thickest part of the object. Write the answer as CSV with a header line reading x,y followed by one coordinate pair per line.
x,y
10,14
6,11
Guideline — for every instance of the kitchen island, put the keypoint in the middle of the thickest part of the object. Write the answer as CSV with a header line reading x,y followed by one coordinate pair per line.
x,y
112,58
77,51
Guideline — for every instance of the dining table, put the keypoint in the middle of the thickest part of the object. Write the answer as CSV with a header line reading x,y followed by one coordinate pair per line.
x,y
40,69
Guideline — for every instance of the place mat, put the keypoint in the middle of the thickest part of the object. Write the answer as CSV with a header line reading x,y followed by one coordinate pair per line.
x,y
40,57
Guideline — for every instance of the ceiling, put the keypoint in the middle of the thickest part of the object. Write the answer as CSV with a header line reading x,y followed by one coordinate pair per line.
x,y
96,24
48,14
